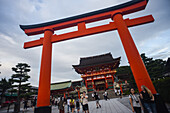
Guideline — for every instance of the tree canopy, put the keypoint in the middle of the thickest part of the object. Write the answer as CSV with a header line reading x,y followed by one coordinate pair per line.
x,y
19,80
155,67
4,86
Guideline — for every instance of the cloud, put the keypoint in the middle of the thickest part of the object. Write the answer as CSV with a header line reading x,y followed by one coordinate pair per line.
x,y
8,39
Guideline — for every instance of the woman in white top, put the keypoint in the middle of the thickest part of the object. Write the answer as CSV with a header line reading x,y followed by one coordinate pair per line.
x,y
135,101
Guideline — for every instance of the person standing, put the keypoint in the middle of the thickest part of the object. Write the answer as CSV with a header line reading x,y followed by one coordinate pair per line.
x,y
92,96
25,104
81,102
61,105
96,97
135,102
105,95
34,102
78,105
72,104
148,99
85,102
55,101
68,104
58,99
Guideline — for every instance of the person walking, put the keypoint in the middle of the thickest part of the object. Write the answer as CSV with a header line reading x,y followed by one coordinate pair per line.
x,y
61,105
120,93
72,104
85,102
148,99
105,94
96,97
135,101
116,92
25,104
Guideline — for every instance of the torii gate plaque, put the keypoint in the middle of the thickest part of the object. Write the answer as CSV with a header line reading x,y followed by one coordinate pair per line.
x,y
115,13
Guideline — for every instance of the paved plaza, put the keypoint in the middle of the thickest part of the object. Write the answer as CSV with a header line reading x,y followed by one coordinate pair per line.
x,y
110,106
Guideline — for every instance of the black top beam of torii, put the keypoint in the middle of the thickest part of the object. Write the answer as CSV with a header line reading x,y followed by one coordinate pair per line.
x,y
126,8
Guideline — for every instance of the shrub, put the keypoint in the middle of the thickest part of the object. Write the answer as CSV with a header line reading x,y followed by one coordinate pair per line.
x,y
163,88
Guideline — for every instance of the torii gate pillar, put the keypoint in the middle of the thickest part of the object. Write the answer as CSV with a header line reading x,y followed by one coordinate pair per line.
x,y
137,66
43,100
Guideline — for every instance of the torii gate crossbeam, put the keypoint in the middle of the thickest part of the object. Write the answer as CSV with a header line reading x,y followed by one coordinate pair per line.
x,y
83,31
115,13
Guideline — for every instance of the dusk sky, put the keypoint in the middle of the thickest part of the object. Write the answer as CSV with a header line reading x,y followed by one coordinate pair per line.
x,y
153,39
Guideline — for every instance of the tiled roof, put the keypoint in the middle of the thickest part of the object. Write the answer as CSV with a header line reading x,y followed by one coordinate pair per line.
x,y
61,85
96,60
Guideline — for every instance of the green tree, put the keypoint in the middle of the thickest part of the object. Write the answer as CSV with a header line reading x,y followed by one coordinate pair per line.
x,y
126,70
19,80
162,87
155,67
4,85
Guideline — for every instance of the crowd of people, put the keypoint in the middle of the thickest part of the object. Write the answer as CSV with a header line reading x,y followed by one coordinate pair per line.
x,y
73,104
145,101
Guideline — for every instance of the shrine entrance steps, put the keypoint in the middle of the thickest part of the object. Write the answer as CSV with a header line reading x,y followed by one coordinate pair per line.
x,y
111,94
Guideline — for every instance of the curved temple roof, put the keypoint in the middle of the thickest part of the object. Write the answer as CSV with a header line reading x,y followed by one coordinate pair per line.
x,y
110,9
95,61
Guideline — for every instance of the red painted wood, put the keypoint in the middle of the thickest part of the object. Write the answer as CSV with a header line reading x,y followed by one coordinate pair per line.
x,y
90,31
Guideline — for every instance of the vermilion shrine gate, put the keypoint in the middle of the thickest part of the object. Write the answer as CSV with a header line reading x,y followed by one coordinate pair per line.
x,y
116,14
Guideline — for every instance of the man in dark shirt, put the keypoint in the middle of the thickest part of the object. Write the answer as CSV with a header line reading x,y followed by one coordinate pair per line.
x,y
97,100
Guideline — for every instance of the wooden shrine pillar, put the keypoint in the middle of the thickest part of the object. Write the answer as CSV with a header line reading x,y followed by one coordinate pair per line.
x,y
93,84
137,66
113,79
43,100
64,94
78,93
106,84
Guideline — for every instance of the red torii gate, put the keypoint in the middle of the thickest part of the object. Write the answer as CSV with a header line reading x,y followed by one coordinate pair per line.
x,y
115,13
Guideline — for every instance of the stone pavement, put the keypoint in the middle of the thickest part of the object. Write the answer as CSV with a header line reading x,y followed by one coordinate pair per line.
x,y
110,106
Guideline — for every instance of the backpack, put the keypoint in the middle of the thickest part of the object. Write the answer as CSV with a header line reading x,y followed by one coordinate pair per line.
x,y
72,102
